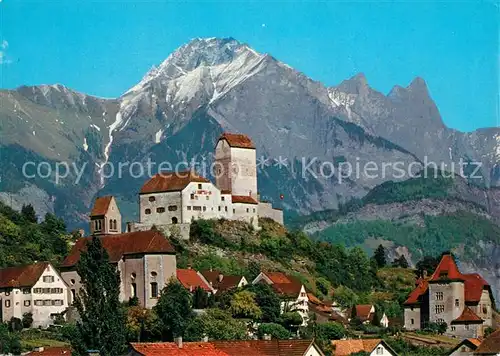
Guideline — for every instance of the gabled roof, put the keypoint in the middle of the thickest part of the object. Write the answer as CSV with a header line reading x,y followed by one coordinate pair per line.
x,y
291,290
171,349
474,285
278,277
265,347
237,140
51,351
243,199
363,311
190,279
119,245
22,276
490,345
473,344
347,347
171,182
447,269
467,317
101,205
227,282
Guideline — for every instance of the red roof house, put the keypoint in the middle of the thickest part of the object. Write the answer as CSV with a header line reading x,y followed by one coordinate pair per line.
x,y
191,280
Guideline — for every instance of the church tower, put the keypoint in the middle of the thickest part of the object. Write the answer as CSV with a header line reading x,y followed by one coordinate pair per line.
x,y
235,165
105,217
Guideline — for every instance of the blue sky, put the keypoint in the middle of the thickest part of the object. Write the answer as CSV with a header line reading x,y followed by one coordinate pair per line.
x,y
105,47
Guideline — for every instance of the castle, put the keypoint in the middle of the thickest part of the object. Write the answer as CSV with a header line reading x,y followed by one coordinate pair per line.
x,y
463,301
175,199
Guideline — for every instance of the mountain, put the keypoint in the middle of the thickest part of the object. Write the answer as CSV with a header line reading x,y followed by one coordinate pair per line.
x,y
177,111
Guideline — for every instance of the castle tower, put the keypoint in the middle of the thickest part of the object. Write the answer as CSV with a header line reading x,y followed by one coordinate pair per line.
x,y
105,217
235,166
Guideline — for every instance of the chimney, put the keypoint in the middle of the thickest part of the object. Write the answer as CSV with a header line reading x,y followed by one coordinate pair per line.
x,y
266,337
221,277
178,342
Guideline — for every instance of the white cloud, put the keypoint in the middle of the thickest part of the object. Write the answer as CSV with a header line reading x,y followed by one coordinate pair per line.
x,y
263,25
5,44
3,54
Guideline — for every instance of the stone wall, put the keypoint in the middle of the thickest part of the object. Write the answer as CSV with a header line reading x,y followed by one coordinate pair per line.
x,y
266,211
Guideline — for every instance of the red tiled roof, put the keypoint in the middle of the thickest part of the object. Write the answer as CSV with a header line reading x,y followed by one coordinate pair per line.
x,y
473,341
101,205
264,347
467,317
446,269
138,242
171,182
237,140
313,299
414,296
363,311
347,347
228,282
334,316
474,285
490,345
287,289
278,277
171,349
191,280
51,351
22,276
243,199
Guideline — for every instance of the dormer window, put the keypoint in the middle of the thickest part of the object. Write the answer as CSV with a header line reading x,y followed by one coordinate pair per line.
x,y
152,199
199,186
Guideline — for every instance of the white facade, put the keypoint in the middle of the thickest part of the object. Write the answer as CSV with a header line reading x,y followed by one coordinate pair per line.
x,y
44,300
381,350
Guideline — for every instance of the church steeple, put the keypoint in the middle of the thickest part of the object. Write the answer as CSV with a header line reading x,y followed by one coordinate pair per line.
x,y
105,217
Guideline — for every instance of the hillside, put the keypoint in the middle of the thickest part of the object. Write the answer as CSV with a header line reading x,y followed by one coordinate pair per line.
x,y
420,217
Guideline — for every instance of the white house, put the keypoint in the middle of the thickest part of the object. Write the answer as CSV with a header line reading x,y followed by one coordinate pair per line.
x,y
37,289
293,293
374,347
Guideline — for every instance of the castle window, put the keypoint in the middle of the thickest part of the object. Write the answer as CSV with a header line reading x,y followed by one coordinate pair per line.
x,y
439,309
152,199
222,198
234,211
248,210
466,327
254,210
485,309
160,210
192,196
7,303
48,279
208,197
197,208
220,208
174,220
27,303
154,290
453,328
439,296
154,274
189,207
73,294
133,290
147,211
172,208
39,302
204,208
457,302
199,186
26,290
412,321
380,350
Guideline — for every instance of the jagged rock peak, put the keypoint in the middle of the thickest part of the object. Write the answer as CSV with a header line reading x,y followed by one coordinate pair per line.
x,y
355,85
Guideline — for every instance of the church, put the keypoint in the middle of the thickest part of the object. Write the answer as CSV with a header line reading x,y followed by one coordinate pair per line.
x,y
171,201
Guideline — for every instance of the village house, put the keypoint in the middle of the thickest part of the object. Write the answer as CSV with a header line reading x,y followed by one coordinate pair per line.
x,y
463,301
466,347
171,201
374,347
365,313
227,348
37,289
190,279
292,292
221,282
490,346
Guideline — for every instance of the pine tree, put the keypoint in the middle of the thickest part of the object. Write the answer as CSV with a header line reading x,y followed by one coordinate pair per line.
x,y
379,256
102,316
29,214
400,262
